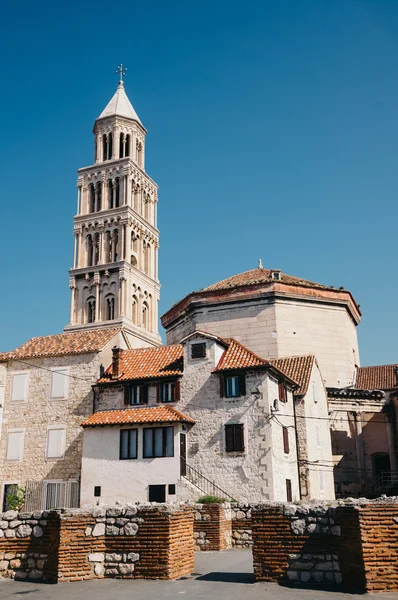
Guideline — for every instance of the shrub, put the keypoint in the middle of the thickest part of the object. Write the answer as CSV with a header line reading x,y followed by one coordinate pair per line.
x,y
211,500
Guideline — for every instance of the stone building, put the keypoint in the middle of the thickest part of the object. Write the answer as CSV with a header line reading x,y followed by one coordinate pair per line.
x,y
46,387
114,277
169,421
276,315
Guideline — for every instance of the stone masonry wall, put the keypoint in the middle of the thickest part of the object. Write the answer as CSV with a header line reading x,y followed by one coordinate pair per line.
x,y
141,541
242,525
212,527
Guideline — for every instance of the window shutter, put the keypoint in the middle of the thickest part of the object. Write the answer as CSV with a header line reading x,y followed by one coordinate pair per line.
x,y
229,438
239,437
59,381
242,384
145,393
19,381
158,391
222,386
127,394
14,445
177,392
55,443
282,391
285,432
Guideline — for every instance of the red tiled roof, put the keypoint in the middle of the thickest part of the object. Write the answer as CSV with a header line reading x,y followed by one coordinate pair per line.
x,y
62,344
142,415
381,377
298,368
149,363
258,276
237,356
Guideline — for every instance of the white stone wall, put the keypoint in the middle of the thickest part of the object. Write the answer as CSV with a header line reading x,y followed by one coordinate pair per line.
x,y
283,328
40,411
124,480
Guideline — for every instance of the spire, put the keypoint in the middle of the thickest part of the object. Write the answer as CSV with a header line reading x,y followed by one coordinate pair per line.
x,y
120,105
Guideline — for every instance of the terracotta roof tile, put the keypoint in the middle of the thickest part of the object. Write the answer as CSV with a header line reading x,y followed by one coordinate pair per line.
x,y
149,363
62,344
258,276
157,414
298,368
380,377
237,356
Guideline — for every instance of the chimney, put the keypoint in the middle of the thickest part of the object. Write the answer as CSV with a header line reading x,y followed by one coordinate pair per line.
x,y
115,362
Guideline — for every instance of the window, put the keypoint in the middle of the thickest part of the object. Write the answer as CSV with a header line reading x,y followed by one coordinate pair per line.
x,y
91,310
19,386
55,442
234,438
289,495
139,394
59,383
314,392
285,433
282,392
110,308
198,350
15,444
128,443
61,494
158,442
9,490
97,491
169,391
233,386
157,493
172,489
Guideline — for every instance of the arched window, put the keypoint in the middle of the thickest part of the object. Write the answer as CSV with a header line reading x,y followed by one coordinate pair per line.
x,y
104,147
127,146
108,247
91,310
89,242
110,146
121,140
96,249
110,193
147,208
134,310
147,258
117,194
92,198
99,195
110,308
137,194
145,315
115,246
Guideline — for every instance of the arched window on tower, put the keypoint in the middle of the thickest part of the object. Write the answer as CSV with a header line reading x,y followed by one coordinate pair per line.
x,y
110,146
99,196
110,193
110,308
148,208
108,247
137,195
89,243
91,310
147,259
115,246
134,310
96,248
139,153
121,144
134,249
117,194
127,146
91,207
145,315
104,147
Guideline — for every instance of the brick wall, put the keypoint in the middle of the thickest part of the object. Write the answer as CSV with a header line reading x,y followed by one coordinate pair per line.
x,y
144,542
212,527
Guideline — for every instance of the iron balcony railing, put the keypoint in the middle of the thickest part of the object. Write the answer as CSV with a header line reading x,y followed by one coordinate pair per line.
x,y
205,485
385,480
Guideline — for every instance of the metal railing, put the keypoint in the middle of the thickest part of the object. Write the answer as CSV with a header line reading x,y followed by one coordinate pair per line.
x,y
205,485
47,495
385,480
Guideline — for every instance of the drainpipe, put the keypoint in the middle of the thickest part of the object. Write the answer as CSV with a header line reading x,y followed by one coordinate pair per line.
x,y
297,448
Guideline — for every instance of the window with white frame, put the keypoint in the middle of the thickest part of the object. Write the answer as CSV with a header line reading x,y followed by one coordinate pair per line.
x,y
19,386
55,442
59,383
15,444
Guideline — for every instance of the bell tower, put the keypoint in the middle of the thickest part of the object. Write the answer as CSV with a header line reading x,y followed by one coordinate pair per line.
x,y
114,278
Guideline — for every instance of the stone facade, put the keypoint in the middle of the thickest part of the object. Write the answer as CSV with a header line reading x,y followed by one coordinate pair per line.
x,y
39,413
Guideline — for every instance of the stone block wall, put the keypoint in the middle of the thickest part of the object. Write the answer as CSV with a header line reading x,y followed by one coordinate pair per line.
x,y
212,527
242,525
142,541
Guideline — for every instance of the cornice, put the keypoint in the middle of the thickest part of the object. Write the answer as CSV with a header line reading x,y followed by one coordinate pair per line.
x,y
119,162
121,213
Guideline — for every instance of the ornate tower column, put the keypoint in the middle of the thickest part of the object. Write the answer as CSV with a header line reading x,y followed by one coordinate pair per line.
x,y
107,271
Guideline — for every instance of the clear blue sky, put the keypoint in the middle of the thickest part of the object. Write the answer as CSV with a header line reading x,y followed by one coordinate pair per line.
x,y
273,133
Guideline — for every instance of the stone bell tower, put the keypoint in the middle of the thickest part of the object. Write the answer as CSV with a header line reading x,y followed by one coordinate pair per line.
x,y
114,278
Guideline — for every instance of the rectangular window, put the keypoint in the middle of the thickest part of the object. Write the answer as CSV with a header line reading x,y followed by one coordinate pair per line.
x,y
285,433
234,438
289,495
19,386
97,491
232,386
9,490
15,444
169,391
198,350
158,442
128,443
139,394
282,392
59,383
56,442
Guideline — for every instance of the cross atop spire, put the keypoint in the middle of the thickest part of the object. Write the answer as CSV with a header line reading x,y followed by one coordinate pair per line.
x,y
122,72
